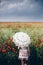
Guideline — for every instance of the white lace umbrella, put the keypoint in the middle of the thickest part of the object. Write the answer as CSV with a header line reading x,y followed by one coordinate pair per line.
x,y
21,39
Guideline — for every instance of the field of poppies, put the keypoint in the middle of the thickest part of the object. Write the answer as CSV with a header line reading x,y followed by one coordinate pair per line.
x,y
8,50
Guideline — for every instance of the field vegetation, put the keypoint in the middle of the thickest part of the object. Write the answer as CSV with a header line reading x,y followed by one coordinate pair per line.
x,y
9,51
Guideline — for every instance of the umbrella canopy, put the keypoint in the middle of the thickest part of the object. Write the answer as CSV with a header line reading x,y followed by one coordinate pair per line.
x,y
21,39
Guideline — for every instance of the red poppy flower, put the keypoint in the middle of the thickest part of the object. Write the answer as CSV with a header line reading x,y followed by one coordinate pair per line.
x,y
0,49
3,50
39,39
5,42
3,46
13,49
9,47
38,45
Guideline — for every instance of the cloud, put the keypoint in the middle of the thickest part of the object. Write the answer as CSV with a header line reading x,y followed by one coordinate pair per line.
x,y
21,8
17,4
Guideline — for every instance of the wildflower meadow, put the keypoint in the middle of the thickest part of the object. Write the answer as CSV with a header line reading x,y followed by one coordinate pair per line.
x,y
8,50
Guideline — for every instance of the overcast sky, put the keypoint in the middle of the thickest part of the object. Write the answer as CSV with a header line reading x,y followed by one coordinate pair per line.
x,y
21,10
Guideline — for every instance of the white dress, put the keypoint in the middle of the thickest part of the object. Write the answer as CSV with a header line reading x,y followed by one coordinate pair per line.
x,y
23,54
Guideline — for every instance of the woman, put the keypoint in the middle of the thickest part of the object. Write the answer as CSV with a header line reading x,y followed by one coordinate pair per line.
x,y
24,54
22,40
